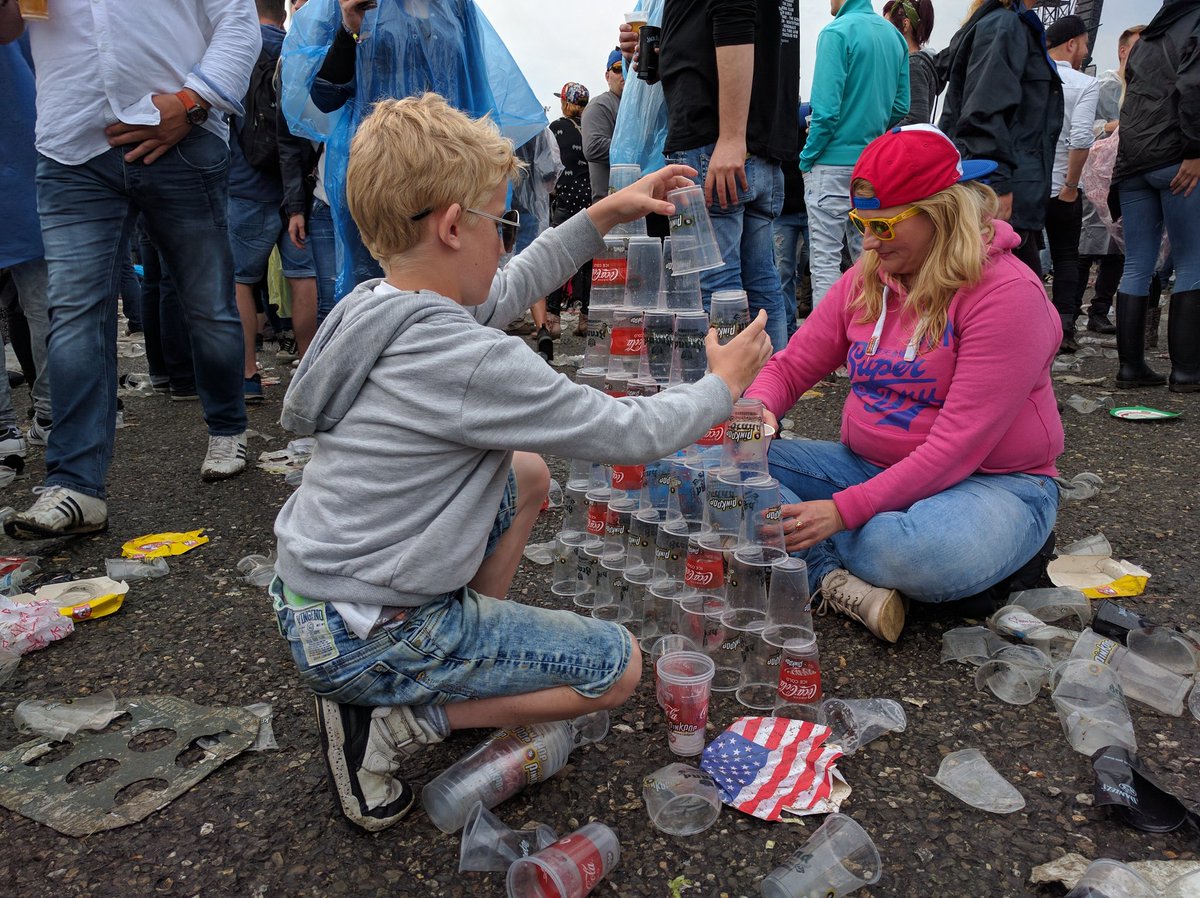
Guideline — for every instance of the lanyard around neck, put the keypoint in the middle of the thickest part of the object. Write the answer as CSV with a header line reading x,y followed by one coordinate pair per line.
x,y
910,352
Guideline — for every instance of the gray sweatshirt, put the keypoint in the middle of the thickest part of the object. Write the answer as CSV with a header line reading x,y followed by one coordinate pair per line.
x,y
417,405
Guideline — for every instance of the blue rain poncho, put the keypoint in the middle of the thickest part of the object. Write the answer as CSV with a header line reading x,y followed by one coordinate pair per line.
x,y
408,47
641,130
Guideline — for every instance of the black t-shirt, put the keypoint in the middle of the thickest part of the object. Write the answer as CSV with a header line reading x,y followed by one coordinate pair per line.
x,y
573,192
691,32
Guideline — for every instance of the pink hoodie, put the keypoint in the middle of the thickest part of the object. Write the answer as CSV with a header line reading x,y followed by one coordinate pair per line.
x,y
980,402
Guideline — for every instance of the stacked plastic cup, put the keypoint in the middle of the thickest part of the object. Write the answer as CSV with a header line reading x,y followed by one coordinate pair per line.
x,y
643,277
680,292
659,342
689,362
609,273
693,240
625,345
684,684
729,313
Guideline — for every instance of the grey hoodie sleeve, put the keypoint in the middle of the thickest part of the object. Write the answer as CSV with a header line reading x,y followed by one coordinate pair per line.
x,y
545,265
514,400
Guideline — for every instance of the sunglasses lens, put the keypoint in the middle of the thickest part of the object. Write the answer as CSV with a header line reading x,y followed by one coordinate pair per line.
x,y
858,224
881,229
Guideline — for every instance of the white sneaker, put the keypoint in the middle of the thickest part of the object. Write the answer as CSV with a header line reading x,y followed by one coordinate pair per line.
x,y
38,433
12,442
879,610
58,511
226,457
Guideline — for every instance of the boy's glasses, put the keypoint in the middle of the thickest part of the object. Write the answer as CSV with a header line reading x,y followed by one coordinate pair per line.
x,y
883,228
507,225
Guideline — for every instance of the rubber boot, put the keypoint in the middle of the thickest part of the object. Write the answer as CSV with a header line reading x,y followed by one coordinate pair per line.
x,y
1068,344
1153,312
1131,349
1183,340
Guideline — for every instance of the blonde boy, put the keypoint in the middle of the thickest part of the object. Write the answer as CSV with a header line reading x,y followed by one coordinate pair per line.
x,y
395,552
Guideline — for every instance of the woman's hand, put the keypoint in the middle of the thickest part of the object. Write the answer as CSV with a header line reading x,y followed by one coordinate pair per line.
x,y
640,198
807,523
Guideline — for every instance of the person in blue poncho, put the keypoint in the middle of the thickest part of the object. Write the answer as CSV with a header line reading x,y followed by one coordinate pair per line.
x,y
341,56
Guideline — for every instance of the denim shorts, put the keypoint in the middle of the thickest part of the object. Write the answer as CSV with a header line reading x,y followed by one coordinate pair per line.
x,y
255,228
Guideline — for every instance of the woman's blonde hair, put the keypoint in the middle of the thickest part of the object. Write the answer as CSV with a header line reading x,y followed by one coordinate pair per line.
x,y
962,231
572,110
976,4
415,154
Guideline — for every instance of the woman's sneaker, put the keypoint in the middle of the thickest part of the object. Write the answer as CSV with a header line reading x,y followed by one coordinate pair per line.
x,y
879,610
58,511
363,750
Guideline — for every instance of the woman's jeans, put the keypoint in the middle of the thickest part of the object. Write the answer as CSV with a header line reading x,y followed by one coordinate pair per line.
x,y
954,544
1146,205
323,243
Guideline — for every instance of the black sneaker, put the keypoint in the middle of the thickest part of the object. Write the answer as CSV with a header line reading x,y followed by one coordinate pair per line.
x,y
362,757
545,344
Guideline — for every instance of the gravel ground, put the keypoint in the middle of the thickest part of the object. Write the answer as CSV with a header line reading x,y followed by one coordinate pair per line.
x,y
265,824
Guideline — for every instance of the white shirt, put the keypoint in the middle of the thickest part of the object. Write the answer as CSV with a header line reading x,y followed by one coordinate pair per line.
x,y
1080,93
98,62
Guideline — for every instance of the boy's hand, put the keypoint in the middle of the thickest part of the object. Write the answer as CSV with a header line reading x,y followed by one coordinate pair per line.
x,y
641,198
739,361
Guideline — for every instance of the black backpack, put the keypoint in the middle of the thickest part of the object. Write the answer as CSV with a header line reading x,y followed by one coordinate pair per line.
x,y
258,136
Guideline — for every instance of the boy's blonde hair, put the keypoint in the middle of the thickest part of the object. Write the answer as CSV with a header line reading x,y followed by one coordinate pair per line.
x,y
416,154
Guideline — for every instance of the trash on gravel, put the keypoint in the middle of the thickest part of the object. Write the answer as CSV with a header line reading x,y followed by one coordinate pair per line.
x,y
554,495
102,781
9,661
1140,679
1098,576
1082,486
15,570
1124,784
259,570
1052,605
839,858
80,599
567,361
1088,406
1090,706
1076,381
64,717
1161,875
488,846
136,569
31,626
1015,674
540,553
796,777
681,800
130,350
1142,413
968,776
265,740
569,868
291,459
970,645
1177,652
1015,621
855,722
156,545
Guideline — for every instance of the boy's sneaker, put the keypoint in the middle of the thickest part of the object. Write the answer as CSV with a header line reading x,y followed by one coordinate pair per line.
x,y
879,610
287,349
226,457
363,749
12,442
58,511
252,390
545,344
39,432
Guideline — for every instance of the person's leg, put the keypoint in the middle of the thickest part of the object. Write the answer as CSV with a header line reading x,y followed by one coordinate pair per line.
x,y
1028,250
152,277
1141,211
131,294
496,572
176,339
300,270
253,233
18,326
1180,215
760,276
787,243
1108,276
1063,222
827,197
32,280
323,245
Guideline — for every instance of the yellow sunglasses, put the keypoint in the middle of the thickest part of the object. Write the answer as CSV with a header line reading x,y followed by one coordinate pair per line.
x,y
883,228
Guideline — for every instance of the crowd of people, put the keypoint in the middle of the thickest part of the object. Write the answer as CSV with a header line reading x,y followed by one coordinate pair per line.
x,y
392,155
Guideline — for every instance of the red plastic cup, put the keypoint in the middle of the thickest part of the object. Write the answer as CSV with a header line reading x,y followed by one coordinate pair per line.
x,y
684,685
569,868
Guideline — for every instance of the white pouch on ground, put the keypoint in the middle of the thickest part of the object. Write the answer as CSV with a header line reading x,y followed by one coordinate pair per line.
x,y
59,719
968,776
265,740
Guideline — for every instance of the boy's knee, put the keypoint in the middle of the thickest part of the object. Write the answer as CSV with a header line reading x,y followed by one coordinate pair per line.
x,y
533,478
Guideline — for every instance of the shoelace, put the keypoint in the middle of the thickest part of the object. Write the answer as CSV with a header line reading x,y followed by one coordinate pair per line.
x,y
222,448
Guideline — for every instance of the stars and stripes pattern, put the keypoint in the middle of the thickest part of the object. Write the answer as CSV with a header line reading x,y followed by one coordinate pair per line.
x,y
764,765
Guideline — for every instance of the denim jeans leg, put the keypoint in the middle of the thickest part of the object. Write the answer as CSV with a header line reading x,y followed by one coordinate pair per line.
x,y
32,283
168,347
827,196
1181,215
86,220
324,249
1141,211
184,197
760,277
788,240
131,292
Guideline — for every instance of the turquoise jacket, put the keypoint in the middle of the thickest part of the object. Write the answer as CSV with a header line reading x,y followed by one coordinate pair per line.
x,y
860,85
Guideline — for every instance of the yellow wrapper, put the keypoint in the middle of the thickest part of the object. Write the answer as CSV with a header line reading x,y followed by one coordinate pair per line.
x,y
1098,576
160,545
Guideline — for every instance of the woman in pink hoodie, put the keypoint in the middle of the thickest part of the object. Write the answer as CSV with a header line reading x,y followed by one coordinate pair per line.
x,y
942,484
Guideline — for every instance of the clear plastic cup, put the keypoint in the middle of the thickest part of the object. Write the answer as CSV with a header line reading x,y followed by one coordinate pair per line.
x,y
728,649
760,675
693,240
564,568
1111,879
659,342
609,272
745,447
729,313
488,846
681,800
798,694
687,490
660,482
1165,647
685,682
689,363
616,531
704,575
1091,706
722,502
629,479
622,175
970,777
657,609
625,346
595,350
838,859
750,572
643,530
615,603
1053,605
855,722
670,555
643,280
762,517
681,292
588,559
668,644
1015,674
1141,679
789,606
970,645
570,868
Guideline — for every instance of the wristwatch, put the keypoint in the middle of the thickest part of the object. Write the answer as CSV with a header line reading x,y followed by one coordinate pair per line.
x,y
196,114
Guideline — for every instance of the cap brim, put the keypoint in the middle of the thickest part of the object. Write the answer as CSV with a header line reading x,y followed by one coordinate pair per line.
x,y
975,169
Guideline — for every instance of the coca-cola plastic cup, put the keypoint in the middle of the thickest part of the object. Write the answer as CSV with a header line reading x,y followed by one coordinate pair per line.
x,y
643,279
838,858
681,800
685,683
689,363
570,868
798,695
681,292
704,575
693,240
750,573
609,273
625,344
789,607
729,313
630,480
759,684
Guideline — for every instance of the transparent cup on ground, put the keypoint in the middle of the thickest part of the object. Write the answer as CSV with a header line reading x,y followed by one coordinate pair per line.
x,y
625,344
1091,706
1165,647
789,606
659,344
855,722
745,447
595,350
681,292
670,555
838,859
681,800
616,531
490,846
759,682
724,646
609,270
635,598
1015,674
570,868
1111,879
689,361
693,240
762,517
685,682
656,616
643,279
1141,679
970,645
750,573
729,313
565,569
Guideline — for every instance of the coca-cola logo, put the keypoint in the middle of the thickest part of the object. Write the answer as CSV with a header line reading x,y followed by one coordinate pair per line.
x,y
713,436
626,341
704,569
609,272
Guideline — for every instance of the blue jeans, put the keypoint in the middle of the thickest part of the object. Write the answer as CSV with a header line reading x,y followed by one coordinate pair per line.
x,y
323,243
87,214
952,545
1146,205
744,235
32,284
168,346
791,255
256,228
827,196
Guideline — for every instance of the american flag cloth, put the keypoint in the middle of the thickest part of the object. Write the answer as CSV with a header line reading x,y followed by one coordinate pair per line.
x,y
765,765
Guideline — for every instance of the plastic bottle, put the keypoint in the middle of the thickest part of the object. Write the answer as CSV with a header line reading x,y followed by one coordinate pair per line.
x,y
504,764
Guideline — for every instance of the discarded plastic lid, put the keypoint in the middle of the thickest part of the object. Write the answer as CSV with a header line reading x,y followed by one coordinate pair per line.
x,y
1141,413
968,776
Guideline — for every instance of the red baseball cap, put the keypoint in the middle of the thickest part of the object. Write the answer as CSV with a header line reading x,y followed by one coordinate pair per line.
x,y
908,164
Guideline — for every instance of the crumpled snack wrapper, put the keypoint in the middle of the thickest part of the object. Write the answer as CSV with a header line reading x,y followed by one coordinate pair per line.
x,y
158,545
1096,576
